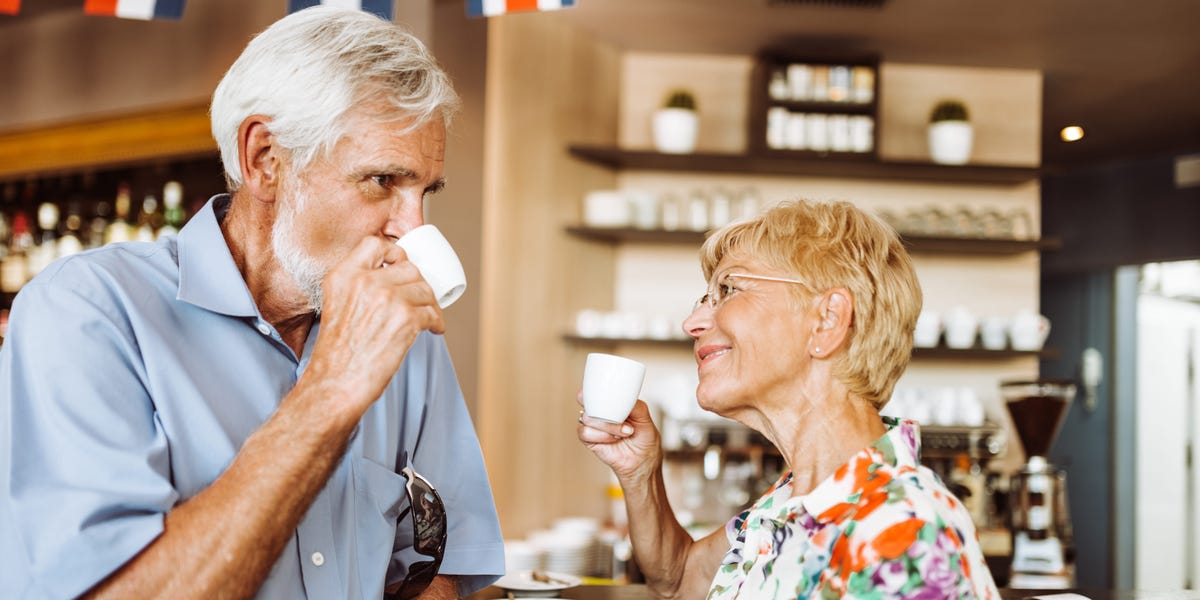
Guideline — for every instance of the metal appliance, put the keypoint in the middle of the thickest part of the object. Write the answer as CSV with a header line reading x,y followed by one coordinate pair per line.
x,y
1042,545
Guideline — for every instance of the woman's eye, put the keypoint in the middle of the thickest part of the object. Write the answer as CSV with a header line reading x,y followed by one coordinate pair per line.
x,y
725,290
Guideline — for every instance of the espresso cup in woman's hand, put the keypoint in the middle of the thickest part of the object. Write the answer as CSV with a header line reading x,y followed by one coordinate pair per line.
x,y
611,385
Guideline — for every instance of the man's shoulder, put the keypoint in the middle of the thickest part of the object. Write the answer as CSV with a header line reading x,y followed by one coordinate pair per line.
x,y
117,264
111,276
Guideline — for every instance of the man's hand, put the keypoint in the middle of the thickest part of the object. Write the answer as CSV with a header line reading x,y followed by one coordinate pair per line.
x,y
375,305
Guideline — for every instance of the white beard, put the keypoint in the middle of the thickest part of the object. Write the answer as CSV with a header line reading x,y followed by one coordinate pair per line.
x,y
305,270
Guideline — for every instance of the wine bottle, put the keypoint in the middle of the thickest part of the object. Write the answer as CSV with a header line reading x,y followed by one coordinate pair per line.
x,y
118,229
173,214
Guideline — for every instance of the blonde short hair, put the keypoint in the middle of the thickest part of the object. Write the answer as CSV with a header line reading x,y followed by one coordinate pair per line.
x,y
830,245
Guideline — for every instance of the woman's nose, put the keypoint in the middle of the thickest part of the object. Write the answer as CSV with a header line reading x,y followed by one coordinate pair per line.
x,y
699,321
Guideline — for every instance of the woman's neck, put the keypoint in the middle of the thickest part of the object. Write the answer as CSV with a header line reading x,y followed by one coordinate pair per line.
x,y
817,428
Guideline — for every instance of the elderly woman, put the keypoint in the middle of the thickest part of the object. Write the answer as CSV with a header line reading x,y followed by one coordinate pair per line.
x,y
806,326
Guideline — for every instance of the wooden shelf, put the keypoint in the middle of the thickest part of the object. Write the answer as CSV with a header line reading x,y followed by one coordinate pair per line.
x,y
616,235
109,142
843,108
607,341
915,244
779,164
940,352
988,246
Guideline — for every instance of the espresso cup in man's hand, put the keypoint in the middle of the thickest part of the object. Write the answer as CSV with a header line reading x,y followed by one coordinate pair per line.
x,y
437,262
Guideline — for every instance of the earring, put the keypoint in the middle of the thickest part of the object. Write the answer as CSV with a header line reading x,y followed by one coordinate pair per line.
x,y
816,350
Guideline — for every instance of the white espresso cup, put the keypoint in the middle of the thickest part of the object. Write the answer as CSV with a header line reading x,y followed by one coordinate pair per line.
x,y
611,385
433,256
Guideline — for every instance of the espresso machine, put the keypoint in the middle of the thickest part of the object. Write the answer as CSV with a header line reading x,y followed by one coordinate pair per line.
x,y
1042,550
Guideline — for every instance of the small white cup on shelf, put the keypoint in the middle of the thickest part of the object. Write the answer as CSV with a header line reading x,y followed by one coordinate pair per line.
x,y
962,326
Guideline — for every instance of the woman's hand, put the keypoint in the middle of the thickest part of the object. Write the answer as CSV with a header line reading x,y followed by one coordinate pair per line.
x,y
631,449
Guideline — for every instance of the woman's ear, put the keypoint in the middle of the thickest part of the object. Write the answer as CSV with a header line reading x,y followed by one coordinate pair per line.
x,y
834,317
259,158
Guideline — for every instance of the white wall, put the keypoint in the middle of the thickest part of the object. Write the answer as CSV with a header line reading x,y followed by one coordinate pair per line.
x,y
1168,338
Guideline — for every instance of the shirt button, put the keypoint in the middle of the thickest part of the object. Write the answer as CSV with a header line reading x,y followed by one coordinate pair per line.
x,y
263,328
318,558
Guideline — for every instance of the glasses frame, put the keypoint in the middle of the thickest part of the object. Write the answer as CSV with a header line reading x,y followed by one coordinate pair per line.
x,y
421,573
710,300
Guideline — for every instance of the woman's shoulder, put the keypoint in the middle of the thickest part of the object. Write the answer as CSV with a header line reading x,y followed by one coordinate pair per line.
x,y
927,497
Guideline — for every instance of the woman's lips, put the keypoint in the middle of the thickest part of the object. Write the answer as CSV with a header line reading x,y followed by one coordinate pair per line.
x,y
710,352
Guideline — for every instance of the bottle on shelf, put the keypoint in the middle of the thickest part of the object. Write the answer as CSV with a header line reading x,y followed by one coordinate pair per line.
x,y
70,241
968,474
46,248
119,229
5,235
93,236
173,212
148,220
10,201
14,270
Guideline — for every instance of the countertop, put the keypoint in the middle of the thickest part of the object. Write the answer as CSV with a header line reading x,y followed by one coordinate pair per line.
x,y
638,592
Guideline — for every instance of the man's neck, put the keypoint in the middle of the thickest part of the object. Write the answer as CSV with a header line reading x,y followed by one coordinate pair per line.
x,y
247,229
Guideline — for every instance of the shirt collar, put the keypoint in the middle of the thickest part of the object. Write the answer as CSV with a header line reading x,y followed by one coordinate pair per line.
x,y
898,448
208,276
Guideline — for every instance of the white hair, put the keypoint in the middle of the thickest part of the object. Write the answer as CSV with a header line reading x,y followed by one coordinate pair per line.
x,y
308,69
305,270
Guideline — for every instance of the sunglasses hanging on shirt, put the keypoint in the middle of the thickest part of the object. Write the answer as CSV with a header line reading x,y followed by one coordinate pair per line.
x,y
429,534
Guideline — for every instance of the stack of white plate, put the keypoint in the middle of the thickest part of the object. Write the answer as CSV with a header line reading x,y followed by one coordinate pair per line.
x,y
522,556
565,552
584,528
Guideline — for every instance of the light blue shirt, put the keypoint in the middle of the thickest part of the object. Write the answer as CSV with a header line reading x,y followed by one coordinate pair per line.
x,y
131,376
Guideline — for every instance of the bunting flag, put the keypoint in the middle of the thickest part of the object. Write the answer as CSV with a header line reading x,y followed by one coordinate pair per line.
x,y
488,8
135,9
381,8
10,7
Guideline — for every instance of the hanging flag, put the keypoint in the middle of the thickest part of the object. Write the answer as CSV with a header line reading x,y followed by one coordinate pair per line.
x,y
381,8
488,8
135,9
10,7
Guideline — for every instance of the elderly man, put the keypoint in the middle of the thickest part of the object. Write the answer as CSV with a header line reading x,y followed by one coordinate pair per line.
x,y
249,407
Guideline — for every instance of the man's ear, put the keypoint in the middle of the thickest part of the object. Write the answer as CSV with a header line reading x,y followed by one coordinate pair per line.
x,y
834,318
259,158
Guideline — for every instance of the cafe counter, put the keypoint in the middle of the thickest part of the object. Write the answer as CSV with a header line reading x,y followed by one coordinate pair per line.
x,y
639,592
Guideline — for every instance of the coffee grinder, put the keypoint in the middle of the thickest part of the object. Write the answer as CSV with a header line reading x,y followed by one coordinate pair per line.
x,y
1042,550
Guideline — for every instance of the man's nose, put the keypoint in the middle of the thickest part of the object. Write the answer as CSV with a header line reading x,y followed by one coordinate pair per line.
x,y
406,215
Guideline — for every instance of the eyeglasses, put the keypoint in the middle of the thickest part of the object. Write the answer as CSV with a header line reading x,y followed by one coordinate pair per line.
x,y
720,292
429,533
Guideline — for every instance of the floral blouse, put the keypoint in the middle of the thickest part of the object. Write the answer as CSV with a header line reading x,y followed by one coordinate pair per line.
x,y
882,526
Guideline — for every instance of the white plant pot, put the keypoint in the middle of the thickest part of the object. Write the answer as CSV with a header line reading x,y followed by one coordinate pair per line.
x,y
950,142
675,130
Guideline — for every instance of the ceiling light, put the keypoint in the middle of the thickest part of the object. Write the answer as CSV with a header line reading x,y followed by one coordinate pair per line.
x,y
1071,133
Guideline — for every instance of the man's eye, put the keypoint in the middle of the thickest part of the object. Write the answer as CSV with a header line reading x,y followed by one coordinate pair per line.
x,y
383,181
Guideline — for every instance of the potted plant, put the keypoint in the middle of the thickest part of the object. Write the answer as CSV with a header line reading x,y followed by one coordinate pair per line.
x,y
950,133
676,123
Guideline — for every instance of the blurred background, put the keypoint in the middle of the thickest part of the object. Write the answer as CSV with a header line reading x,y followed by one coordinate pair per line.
x,y
599,142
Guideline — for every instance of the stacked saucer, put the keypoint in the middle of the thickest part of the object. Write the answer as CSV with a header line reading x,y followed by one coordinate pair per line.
x,y
566,551
522,556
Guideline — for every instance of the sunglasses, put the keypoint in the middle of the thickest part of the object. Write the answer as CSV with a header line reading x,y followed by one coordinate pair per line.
x,y
429,533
